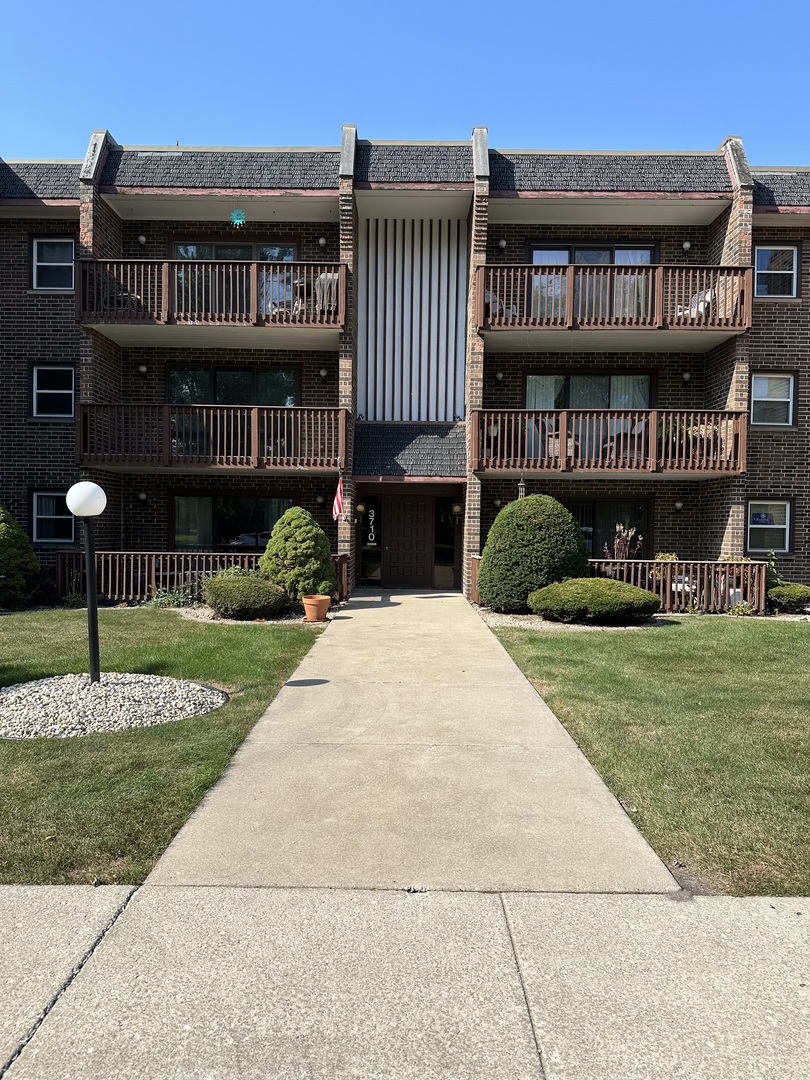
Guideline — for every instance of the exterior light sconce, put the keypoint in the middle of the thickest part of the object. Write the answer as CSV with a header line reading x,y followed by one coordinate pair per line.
x,y
678,505
497,503
323,373
321,242
142,370
458,509
687,247
319,500
359,510
499,376
502,244
522,489
142,496
142,240
687,375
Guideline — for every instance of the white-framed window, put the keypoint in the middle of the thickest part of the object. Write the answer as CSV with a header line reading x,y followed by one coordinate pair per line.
x,y
769,525
53,522
772,400
775,268
52,392
53,264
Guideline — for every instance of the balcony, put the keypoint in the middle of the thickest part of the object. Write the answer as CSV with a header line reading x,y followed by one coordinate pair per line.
x,y
630,442
197,438
236,304
569,308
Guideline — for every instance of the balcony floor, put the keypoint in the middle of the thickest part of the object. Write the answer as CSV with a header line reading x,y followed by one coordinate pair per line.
x,y
148,335
605,341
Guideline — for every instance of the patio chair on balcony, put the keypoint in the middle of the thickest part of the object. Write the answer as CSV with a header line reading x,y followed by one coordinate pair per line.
x,y
699,305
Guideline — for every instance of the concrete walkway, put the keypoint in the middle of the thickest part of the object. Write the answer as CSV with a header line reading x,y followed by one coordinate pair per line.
x,y
280,936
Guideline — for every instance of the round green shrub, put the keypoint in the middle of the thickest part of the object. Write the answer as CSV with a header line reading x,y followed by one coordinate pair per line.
x,y
789,598
596,600
18,563
297,556
532,543
244,597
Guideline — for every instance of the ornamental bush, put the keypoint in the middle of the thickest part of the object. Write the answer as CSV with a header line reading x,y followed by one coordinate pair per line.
x,y
595,600
789,598
297,556
532,543
244,596
18,563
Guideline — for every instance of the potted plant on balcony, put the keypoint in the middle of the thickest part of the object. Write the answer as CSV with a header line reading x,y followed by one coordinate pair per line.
x,y
298,559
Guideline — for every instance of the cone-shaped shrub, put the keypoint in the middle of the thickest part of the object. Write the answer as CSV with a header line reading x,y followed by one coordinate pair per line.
x,y
532,543
297,556
18,563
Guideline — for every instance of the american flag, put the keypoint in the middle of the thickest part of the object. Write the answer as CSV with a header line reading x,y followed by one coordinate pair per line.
x,y
337,505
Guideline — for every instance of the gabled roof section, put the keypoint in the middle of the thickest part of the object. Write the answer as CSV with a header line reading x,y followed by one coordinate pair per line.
x,y
410,450
39,179
781,187
562,170
220,167
413,163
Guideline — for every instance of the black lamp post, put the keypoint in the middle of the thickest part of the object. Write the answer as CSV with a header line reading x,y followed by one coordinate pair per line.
x,y
87,500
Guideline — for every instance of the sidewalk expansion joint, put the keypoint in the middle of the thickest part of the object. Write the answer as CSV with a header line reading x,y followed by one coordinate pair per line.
x,y
519,970
26,1039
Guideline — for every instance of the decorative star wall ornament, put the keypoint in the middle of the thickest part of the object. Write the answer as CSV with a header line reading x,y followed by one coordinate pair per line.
x,y
238,218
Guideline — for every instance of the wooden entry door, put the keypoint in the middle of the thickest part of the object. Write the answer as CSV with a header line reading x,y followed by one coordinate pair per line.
x,y
407,561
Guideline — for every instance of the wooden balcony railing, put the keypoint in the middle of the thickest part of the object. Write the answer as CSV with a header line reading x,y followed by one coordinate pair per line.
x,y
614,297
211,436
622,440
682,586
691,586
210,293
135,576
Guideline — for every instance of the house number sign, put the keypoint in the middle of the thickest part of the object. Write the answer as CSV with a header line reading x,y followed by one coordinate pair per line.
x,y
372,536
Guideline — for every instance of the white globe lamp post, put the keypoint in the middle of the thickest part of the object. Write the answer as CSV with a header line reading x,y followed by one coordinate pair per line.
x,y
87,500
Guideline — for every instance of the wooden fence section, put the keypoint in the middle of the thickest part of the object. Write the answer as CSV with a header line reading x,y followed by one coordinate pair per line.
x,y
210,293
211,436
678,441
681,586
135,576
689,586
533,297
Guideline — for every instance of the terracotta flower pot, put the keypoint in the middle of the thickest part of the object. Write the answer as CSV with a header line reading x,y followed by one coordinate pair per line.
x,y
316,607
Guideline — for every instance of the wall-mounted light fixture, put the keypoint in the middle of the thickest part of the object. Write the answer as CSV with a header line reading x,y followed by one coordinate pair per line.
x,y
359,510
319,500
323,373
687,247
142,496
457,512
522,489
142,240
678,505
502,244
321,242
497,503
499,376
142,370
687,375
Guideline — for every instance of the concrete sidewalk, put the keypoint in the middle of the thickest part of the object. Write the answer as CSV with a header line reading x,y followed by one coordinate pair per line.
x,y
277,938
410,751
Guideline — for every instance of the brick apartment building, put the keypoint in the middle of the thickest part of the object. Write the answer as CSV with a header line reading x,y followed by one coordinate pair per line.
x,y
628,332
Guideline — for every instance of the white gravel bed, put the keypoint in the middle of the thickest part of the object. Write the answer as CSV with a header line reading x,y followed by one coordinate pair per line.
x,y
535,622
69,705
202,613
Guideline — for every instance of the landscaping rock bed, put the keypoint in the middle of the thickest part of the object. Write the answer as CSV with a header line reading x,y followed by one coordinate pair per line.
x,y
66,706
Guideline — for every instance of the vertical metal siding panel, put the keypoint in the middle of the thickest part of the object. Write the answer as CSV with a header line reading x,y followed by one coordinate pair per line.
x,y
364,278
391,311
408,335
379,350
449,322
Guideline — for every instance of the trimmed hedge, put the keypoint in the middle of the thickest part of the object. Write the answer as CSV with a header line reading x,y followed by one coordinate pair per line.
x,y
244,596
297,556
596,600
532,543
18,563
789,598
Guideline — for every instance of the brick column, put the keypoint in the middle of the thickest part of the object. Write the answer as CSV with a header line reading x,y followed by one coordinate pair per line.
x,y
474,369
347,362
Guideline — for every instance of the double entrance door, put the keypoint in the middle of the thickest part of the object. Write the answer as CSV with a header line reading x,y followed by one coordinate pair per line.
x,y
411,541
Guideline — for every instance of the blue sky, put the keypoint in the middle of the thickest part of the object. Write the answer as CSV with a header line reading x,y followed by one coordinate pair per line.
x,y
620,75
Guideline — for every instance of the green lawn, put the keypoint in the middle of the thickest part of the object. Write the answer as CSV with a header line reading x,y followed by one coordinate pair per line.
x,y
702,729
102,808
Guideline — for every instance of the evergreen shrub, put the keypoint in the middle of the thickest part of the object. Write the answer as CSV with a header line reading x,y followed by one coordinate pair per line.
x,y
244,596
297,556
18,563
789,598
532,543
595,600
